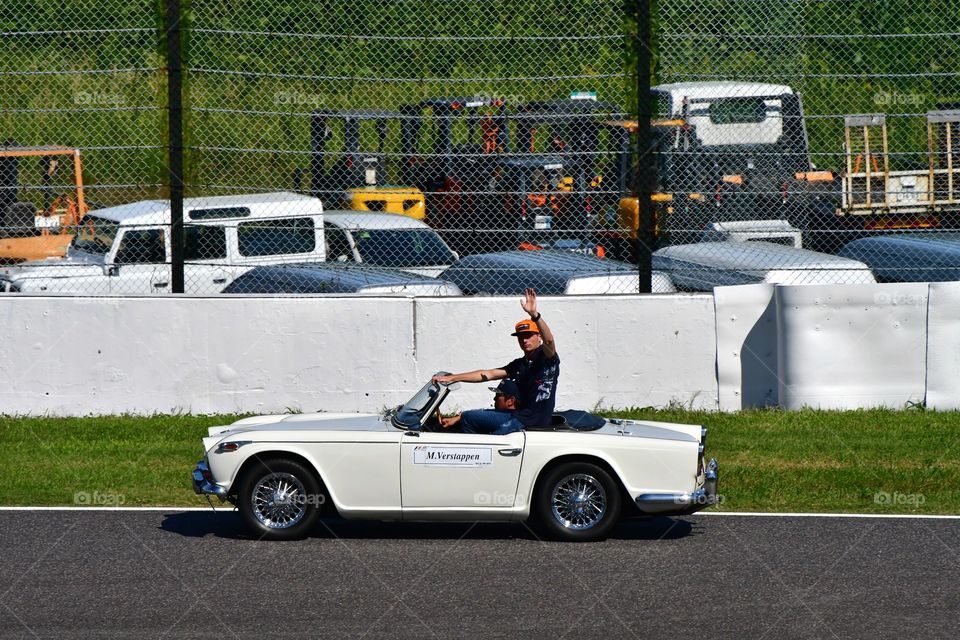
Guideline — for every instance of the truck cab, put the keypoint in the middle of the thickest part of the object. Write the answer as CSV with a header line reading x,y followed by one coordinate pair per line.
x,y
735,154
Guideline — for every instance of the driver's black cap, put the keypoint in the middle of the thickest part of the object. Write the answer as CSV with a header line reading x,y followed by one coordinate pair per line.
x,y
507,388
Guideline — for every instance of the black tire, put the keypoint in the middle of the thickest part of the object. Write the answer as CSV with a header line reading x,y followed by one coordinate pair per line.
x,y
294,515
587,516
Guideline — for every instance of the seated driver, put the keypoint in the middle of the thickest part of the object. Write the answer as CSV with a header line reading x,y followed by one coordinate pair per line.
x,y
505,401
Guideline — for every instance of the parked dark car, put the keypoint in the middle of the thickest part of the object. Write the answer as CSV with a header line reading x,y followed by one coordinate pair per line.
x,y
911,257
550,272
337,278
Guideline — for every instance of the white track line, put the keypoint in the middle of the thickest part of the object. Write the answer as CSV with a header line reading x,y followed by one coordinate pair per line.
x,y
736,514
760,514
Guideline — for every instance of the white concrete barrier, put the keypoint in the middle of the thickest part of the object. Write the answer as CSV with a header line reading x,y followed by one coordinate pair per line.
x,y
746,346
943,346
830,346
851,346
76,356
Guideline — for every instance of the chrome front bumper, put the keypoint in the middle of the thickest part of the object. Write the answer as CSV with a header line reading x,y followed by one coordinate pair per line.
x,y
684,503
203,482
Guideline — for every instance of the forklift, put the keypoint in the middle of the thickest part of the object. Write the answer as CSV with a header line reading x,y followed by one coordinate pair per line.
x,y
452,149
357,177
592,154
576,129
29,232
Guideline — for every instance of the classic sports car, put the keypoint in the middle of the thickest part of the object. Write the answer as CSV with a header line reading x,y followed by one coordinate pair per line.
x,y
578,475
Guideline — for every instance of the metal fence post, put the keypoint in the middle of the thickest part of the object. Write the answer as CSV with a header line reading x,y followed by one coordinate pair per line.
x,y
175,106
644,242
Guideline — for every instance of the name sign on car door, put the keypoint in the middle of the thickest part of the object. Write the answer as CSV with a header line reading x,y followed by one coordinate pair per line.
x,y
452,456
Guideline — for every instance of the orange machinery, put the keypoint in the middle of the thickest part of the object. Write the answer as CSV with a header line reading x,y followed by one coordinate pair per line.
x,y
54,227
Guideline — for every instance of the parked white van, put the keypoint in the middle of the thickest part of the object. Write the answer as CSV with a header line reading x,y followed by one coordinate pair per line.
x,y
125,250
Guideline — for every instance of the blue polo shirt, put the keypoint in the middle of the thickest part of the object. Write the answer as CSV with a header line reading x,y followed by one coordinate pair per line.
x,y
537,378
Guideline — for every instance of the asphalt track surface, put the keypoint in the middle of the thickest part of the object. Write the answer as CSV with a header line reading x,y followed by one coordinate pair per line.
x,y
72,574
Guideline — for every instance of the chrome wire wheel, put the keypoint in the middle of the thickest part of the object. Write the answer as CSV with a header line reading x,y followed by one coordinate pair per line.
x,y
279,500
578,501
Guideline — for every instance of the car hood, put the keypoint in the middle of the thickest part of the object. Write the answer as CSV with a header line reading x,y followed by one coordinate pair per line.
x,y
305,422
73,265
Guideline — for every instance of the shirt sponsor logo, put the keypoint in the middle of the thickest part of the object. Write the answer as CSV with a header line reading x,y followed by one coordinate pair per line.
x,y
452,456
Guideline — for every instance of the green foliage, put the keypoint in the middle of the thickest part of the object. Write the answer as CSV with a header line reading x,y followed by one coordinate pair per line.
x,y
855,56
255,71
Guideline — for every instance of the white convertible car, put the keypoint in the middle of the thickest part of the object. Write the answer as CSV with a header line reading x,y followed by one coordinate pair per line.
x,y
578,475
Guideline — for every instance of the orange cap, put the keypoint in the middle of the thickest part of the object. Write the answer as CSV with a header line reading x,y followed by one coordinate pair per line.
x,y
525,326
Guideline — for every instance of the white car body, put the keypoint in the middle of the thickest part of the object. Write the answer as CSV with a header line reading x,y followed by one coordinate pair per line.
x,y
371,468
89,270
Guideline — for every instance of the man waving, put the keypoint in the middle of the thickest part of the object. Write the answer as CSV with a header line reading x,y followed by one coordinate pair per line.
x,y
536,374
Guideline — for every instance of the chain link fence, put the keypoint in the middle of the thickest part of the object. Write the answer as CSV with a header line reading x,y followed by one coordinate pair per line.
x,y
475,148
824,131
332,147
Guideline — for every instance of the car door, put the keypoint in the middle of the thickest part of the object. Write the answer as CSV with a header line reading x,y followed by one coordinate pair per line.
x,y
205,255
140,264
459,470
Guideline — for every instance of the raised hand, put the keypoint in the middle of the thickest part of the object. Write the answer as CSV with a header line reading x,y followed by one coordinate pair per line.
x,y
529,302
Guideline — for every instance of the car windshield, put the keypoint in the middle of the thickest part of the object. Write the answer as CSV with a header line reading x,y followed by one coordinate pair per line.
x,y
95,235
410,415
402,247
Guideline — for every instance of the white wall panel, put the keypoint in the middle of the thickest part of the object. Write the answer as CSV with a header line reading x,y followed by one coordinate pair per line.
x,y
142,355
851,346
943,346
746,346
68,356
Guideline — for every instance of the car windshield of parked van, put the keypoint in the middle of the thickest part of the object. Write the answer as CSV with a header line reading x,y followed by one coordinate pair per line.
x,y
402,247
95,235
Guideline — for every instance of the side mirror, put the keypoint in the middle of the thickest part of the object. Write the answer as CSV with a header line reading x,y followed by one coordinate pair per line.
x,y
111,270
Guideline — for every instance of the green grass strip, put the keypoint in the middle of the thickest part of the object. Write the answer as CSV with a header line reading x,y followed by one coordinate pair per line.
x,y
808,461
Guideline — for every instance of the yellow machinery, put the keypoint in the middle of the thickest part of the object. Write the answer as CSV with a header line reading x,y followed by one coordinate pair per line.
x,y
53,227
406,201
